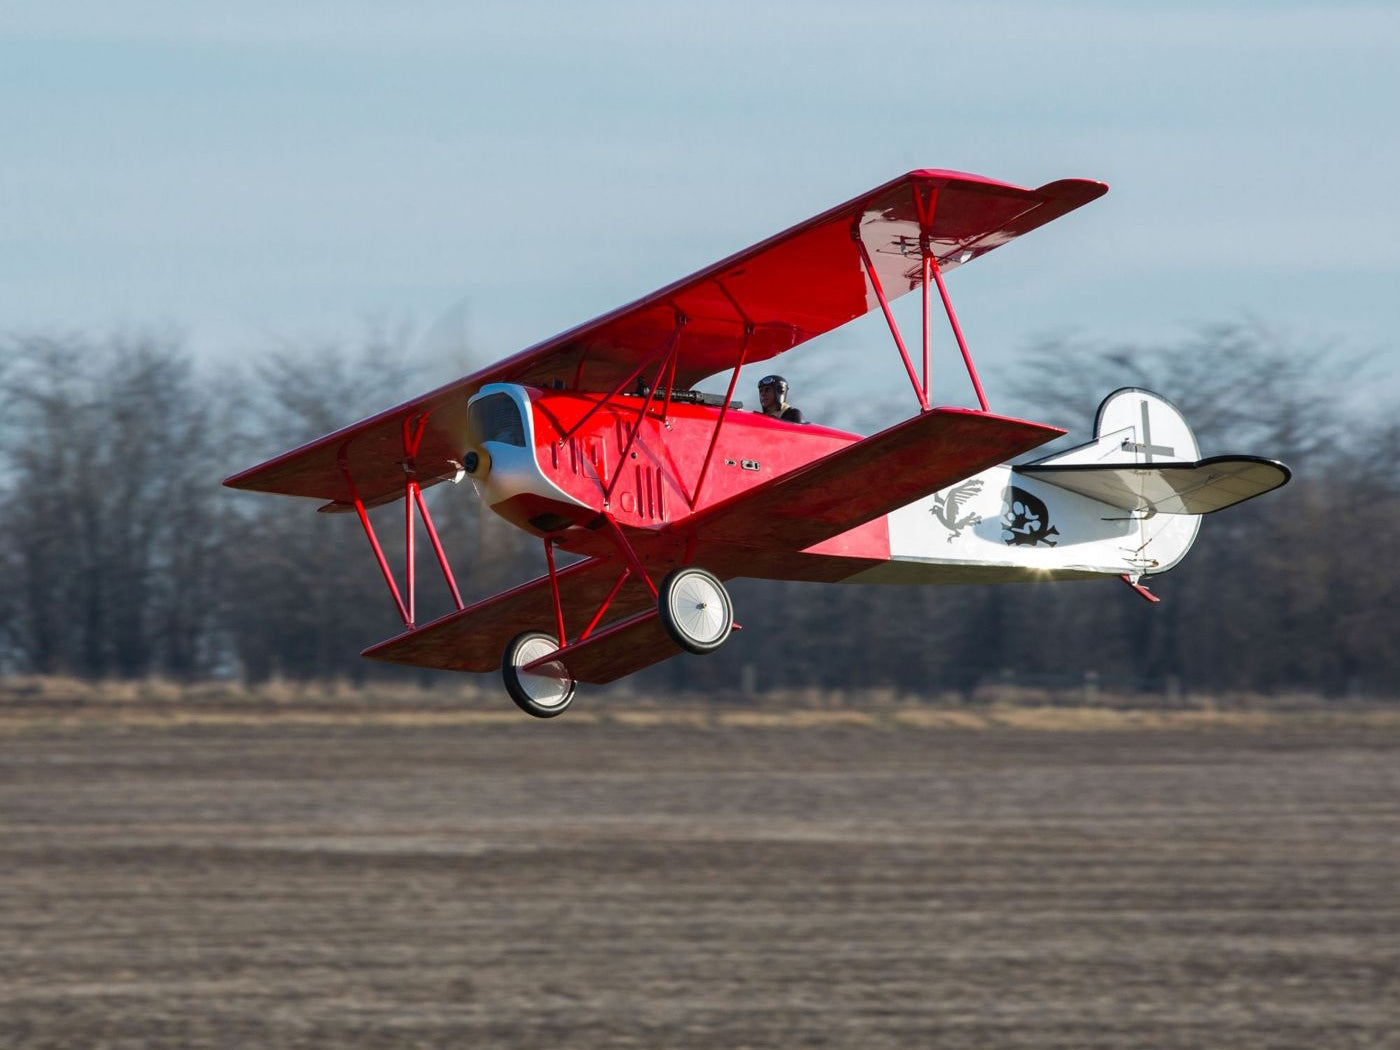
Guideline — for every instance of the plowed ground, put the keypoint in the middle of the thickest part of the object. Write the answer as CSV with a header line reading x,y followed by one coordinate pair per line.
x,y
592,884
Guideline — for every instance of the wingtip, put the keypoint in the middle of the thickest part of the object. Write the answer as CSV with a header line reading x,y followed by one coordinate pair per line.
x,y
1080,190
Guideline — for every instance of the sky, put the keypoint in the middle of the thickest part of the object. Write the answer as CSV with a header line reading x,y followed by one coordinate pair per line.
x,y
269,173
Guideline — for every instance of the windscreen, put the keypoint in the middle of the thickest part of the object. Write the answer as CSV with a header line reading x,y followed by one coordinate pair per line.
x,y
496,417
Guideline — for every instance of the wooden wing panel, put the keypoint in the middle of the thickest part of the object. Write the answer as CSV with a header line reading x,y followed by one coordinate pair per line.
x,y
474,638
372,452
622,649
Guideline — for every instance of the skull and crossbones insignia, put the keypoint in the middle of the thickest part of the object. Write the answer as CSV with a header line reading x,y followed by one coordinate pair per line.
x,y
1025,522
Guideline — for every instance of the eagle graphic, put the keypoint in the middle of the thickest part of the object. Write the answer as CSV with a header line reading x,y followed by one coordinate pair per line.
x,y
947,505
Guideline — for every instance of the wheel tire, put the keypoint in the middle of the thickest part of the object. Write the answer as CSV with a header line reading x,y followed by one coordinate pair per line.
x,y
695,609
543,695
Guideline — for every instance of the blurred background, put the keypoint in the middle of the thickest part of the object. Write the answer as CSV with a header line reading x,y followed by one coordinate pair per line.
x,y
124,558
224,233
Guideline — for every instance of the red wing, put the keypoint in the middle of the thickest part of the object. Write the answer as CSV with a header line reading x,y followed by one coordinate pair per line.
x,y
474,638
622,649
802,282
858,483
791,287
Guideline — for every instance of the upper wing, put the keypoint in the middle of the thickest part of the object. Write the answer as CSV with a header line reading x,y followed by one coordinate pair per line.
x,y
796,285
802,282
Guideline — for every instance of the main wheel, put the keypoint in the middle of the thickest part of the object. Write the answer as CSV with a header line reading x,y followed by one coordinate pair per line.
x,y
695,609
544,692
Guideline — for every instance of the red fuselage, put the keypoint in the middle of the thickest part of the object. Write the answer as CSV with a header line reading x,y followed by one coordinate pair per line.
x,y
649,480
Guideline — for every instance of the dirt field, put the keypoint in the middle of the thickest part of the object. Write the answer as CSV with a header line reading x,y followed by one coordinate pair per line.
x,y
802,882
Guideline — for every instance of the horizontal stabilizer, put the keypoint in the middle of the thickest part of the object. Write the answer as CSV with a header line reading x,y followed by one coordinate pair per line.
x,y
1201,487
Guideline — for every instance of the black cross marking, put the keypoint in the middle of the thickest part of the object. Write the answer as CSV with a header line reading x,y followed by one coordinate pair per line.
x,y
1145,446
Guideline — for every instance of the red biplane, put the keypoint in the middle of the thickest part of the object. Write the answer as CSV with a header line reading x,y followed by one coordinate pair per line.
x,y
597,442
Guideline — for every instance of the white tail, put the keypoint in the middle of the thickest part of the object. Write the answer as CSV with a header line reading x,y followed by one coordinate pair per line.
x,y
1128,503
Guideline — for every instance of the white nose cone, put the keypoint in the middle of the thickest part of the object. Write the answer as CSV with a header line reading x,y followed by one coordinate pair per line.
x,y
501,421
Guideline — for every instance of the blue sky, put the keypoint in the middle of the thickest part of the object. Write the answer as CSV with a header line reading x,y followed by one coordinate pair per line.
x,y
267,172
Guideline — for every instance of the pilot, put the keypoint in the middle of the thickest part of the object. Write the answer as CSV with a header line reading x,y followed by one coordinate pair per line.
x,y
772,400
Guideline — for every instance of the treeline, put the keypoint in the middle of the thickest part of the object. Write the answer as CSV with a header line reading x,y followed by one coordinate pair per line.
x,y
121,555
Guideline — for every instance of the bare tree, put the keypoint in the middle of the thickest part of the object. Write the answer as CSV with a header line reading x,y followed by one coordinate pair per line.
x,y
107,459
121,554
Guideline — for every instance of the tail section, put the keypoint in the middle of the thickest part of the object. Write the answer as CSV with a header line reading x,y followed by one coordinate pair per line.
x,y
1144,460
1128,503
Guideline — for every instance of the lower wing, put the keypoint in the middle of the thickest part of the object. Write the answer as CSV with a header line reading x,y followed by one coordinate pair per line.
x,y
473,639
860,482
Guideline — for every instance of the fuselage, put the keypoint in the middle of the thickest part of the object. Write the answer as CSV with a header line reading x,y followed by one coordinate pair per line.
x,y
552,461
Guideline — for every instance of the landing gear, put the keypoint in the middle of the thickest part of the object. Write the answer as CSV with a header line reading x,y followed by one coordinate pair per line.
x,y
695,610
544,692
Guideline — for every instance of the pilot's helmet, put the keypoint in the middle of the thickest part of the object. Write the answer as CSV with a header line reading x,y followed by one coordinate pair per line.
x,y
775,381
